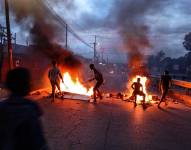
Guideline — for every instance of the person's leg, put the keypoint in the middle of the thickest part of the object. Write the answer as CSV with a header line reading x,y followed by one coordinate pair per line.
x,y
164,99
99,94
134,95
164,92
53,91
97,87
61,94
144,97
94,90
58,86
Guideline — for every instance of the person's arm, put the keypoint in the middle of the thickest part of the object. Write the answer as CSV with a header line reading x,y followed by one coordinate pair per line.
x,y
49,74
91,79
141,88
60,75
133,86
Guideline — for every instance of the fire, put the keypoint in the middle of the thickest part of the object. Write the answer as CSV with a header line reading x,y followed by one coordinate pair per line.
x,y
72,86
143,82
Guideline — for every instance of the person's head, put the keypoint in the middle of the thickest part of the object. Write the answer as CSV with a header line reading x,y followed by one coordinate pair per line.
x,y
54,63
18,81
166,72
92,66
138,80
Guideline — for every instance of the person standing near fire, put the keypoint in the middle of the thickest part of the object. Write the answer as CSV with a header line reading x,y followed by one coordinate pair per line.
x,y
138,90
54,76
99,78
164,85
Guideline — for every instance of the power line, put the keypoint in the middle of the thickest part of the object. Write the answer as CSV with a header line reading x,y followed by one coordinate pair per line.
x,y
63,22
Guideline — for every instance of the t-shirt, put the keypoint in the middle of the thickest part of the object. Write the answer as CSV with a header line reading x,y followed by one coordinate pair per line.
x,y
165,81
54,74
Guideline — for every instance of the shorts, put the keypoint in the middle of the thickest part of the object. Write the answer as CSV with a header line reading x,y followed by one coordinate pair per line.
x,y
138,93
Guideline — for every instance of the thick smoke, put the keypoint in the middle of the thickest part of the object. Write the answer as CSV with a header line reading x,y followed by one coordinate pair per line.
x,y
129,18
45,30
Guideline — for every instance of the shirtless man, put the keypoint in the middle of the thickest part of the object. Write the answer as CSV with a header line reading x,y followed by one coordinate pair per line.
x,y
165,83
99,78
138,90
54,76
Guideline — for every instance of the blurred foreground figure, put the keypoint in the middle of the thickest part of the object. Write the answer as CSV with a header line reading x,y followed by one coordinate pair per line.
x,y
138,90
54,76
20,126
165,83
99,78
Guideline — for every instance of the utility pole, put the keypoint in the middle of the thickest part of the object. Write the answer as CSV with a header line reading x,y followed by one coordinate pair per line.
x,y
9,41
66,46
102,53
107,59
95,43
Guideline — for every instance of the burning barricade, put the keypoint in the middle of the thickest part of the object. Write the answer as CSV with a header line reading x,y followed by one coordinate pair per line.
x,y
74,86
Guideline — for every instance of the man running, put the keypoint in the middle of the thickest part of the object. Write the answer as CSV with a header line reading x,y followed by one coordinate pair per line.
x,y
165,83
54,76
99,78
138,90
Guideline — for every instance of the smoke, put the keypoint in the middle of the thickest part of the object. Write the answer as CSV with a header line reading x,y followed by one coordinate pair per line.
x,y
129,17
45,30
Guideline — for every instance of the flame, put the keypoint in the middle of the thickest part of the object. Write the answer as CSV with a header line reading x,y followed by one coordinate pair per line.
x,y
143,81
72,86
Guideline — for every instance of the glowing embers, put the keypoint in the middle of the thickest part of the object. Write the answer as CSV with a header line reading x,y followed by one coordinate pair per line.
x,y
76,87
143,81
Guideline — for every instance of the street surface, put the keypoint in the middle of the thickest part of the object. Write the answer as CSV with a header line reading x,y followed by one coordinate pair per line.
x,y
115,125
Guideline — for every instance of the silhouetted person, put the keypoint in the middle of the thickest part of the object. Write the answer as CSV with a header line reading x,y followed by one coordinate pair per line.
x,y
165,83
20,126
99,78
54,76
1,60
138,90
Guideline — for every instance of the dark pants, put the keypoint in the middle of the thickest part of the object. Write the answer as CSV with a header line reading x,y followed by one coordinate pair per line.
x,y
96,89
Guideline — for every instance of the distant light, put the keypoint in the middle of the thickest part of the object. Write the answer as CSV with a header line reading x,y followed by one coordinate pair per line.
x,y
111,72
102,64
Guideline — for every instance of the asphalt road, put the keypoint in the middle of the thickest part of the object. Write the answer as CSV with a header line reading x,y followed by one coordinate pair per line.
x,y
115,125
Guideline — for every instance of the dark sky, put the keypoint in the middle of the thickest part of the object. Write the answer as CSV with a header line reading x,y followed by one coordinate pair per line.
x,y
167,21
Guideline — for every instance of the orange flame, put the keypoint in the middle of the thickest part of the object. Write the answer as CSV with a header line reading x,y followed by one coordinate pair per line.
x,y
72,86
143,82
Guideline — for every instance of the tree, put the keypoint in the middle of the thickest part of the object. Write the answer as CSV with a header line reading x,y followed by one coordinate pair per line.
x,y
160,56
154,61
187,42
